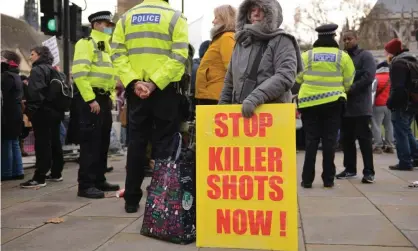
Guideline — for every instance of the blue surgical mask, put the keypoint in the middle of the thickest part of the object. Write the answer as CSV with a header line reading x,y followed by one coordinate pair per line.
x,y
108,30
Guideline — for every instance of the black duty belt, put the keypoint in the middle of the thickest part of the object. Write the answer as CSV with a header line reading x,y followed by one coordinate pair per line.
x,y
101,92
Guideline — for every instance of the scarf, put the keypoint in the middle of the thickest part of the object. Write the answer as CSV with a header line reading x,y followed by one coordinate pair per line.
x,y
258,31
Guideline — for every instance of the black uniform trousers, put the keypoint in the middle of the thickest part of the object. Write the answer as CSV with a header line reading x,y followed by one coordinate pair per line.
x,y
94,141
48,148
156,118
357,128
321,123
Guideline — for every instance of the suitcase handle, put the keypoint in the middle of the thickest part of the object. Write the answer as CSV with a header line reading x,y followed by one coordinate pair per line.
x,y
176,146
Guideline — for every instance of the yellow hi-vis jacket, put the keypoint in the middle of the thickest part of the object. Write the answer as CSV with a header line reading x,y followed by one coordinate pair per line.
x,y
150,43
93,67
328,75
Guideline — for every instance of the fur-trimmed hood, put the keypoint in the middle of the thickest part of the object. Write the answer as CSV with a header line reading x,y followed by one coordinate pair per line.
x,y
273,17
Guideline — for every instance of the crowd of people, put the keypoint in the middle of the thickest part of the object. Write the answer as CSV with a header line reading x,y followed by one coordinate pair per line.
x,y
249,61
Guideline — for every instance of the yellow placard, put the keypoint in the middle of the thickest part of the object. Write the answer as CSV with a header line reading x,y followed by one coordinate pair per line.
x,y
246,178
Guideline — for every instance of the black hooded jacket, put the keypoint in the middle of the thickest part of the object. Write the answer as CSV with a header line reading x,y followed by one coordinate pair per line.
x,y
12,92
400,79
39,79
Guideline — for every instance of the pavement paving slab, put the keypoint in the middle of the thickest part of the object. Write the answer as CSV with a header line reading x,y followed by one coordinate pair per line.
x,y
35,214
394,198
339,206
403,217
126,241
374,230
311,247
412,236
343,188
8,234
108,207
75,233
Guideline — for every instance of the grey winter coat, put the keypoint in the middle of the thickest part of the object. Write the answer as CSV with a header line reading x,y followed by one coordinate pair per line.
x,y
279,65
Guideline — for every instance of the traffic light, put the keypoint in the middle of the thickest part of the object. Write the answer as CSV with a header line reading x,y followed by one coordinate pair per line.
x,y
51,20
76,29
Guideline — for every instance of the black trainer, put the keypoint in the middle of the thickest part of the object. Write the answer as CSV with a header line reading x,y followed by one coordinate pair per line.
x,y
345,175
107,187
54,179
368,179
91,193
130,209
32,184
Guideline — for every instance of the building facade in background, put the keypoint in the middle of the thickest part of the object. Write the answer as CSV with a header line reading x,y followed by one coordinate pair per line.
x,y
31,13
390,19
125,5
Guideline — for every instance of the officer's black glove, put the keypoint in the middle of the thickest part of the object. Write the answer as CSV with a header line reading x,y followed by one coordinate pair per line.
x,y
248,108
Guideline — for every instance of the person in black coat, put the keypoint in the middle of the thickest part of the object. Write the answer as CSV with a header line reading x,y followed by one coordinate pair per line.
x,y
46,121
12,117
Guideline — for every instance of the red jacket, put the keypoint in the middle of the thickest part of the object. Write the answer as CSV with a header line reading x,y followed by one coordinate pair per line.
x,y
383,86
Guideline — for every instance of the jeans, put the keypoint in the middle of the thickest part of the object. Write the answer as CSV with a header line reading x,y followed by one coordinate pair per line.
x,y
382,115
11,159
406,145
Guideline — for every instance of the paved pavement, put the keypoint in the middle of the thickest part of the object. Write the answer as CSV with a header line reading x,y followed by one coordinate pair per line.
x,y
350,217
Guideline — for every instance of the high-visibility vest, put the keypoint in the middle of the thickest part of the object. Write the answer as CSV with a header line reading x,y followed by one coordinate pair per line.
x,y
150,43
92,66
327,76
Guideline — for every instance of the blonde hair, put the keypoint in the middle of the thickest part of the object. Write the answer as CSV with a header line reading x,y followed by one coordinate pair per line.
x,y
227,15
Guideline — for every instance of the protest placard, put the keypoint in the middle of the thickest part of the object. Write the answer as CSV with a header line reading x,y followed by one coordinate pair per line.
x,y
52,44
246,178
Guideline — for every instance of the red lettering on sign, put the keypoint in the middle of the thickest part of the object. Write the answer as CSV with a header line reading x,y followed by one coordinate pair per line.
x,y
216,192
222,130
246,191
229,187
223,221
256,126
255,222
266,120
277,194
239,159
261,181
274,156
215,162
235,123
232,187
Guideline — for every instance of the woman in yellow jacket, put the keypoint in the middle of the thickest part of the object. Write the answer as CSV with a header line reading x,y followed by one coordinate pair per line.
x,y
211,72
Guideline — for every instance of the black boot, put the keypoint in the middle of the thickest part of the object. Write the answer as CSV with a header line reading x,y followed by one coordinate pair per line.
x,y
107,187
91,193
130,209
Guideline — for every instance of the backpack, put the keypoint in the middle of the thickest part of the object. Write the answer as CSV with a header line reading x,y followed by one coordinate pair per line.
x,y
412,85
59,92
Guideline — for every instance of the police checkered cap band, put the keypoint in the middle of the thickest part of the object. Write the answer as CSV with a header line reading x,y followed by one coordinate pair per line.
x,y
103,17
326,33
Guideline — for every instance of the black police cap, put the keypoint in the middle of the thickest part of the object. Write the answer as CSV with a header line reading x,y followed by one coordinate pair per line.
x,y
327,29
101,16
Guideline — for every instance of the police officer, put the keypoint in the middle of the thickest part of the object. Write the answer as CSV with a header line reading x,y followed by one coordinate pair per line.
x,y
94,77
328,75
149,50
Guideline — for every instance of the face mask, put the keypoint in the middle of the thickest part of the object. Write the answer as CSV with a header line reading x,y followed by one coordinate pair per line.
x,y
108,30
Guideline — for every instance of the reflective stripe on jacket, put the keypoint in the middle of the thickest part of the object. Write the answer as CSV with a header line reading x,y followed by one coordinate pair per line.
x,y
93,67
150,43
328,75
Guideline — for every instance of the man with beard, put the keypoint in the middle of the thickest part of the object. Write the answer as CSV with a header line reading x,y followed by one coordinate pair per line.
x,y
357,117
